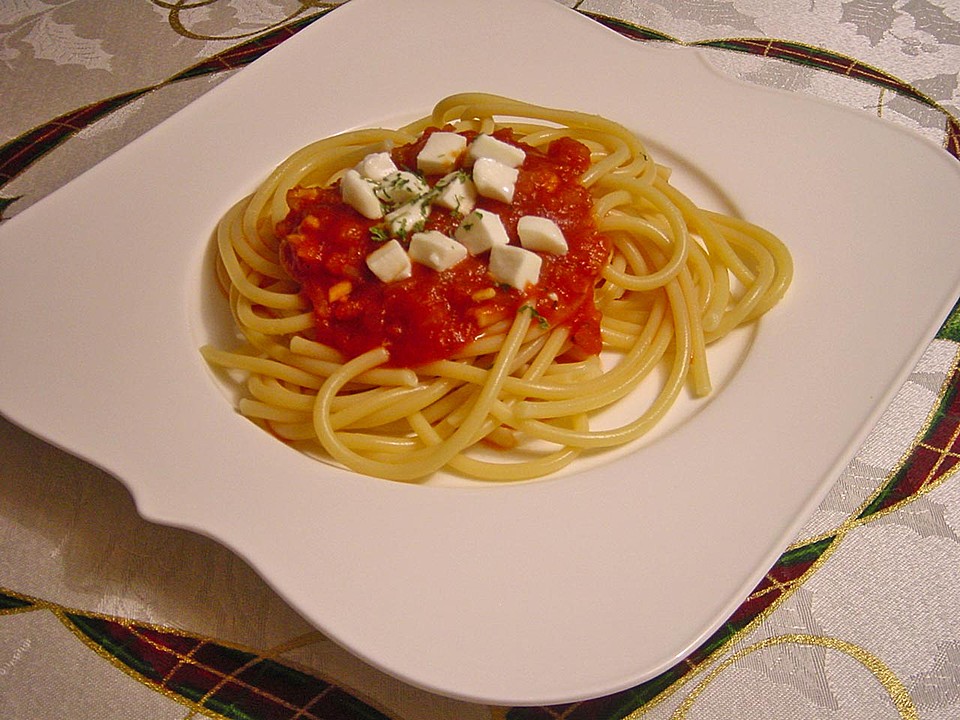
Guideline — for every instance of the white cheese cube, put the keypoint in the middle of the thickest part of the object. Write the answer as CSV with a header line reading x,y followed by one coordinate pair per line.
x,y
390,262
436,250
441,152
401,186
487,146
495,180
360,194
376,166
457,192
409,217
541,234
480,231
514,266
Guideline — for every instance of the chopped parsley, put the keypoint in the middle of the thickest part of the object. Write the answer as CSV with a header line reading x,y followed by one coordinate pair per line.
x,y
379,233
541,320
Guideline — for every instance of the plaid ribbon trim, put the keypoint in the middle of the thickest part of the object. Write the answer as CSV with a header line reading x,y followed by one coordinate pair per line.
x,y
29,148
228,682
209,677
801,54
24,151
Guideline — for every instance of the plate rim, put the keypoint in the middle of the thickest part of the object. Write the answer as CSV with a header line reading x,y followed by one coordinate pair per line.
x,y
151,505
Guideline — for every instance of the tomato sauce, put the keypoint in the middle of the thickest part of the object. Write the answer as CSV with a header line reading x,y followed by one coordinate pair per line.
x,y
431,315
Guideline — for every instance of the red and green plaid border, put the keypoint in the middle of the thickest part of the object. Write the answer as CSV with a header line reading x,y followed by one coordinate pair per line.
x,y
222,681
806,55
17,155
212,678
24,151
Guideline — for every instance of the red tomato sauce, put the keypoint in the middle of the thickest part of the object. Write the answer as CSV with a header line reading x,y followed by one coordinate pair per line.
x,y
431,315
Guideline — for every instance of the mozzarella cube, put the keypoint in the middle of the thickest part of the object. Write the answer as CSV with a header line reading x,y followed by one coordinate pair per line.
x,y
409,217
441,152
360,194
487,146
401,186
457,192
390,262
541,234
376,166
436,250
514,266
495,180
480,231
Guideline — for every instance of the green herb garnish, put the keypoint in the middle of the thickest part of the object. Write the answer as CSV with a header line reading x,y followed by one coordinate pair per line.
x,y
541,320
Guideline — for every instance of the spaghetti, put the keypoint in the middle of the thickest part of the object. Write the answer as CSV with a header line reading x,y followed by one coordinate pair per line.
x,y
398,368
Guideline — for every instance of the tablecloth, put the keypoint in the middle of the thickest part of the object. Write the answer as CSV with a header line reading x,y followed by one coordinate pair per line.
x,y
105,615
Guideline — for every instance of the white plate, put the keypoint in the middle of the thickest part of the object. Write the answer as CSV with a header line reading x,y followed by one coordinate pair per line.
x,y
533,593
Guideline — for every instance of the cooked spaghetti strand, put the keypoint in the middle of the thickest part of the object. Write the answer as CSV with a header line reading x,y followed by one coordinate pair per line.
x,y
528,361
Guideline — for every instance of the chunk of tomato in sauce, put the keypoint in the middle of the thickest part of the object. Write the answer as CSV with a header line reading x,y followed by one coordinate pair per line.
x,y
432,315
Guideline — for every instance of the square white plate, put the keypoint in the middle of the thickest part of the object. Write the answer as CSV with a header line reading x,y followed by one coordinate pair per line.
x,y
532,593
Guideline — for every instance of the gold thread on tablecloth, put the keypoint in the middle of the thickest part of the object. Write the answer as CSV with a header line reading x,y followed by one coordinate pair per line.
x,y
301,712
182,659
890,682
845,69
896,690
887,679
854,520
784,49
300,641
232,677
62,614
787,591
851,522
176,24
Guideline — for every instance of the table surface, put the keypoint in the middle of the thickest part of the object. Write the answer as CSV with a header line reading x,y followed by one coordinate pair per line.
x,y
860,617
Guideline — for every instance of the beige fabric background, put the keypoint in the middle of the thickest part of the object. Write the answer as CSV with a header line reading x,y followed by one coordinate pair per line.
x,y
879,618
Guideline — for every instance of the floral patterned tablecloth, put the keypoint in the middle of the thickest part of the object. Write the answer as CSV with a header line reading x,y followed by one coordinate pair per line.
x,y
105,615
